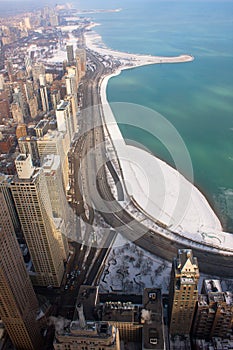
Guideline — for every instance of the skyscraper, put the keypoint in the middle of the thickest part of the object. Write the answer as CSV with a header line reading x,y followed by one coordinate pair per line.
x,y
18,303
44,98
27,22
183,292
28,145
80,56
65,121
53,176
71,85
33,106
72,90
2,81
70,54
32,203
37,69
55,98
21,130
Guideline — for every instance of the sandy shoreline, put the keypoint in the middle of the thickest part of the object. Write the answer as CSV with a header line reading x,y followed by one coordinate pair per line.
x,y
199,222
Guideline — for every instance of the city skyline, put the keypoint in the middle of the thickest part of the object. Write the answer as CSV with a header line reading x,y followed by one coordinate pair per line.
x,y
103,244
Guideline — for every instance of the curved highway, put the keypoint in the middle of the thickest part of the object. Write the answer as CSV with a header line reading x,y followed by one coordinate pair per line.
x,y
93,177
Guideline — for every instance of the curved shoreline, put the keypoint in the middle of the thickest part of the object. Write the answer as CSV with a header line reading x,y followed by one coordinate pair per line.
x,y
128,60
213,238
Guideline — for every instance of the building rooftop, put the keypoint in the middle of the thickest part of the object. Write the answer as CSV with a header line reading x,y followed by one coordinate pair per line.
x,y
152,319
92,329
121,312
216,297
21,157
213,286
88,297
62,106
186,256
100,333
31,180
51,162
50,135
27,138
41,124
229,298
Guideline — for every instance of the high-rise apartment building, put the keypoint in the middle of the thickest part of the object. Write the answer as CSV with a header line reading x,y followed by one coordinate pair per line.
x,y
80,55
21,130
72,80
28,89
183,292
28,65
42,127
19,98
28,145
70,54
18,303
53,176
214,312
65,122
73,101
55,98
2,82
81,334
60,208
72,71
54,20
27,22
4,108
37,69
30,194
71,85
44,98
95,335
10,69
55,142
50,143
17,113
33,106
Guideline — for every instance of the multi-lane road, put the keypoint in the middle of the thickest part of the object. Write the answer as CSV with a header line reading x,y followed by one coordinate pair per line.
x,y
91,189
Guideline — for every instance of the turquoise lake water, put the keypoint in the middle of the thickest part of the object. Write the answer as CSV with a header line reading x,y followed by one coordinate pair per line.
x,y
196,97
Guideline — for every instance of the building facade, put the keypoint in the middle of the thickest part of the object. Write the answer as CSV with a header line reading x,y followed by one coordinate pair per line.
x,y
93,336
70,54
18,303
183,292
30,194
65,122
214,312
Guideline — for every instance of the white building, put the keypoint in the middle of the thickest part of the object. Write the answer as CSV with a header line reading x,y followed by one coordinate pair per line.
x,y
65,121
24,167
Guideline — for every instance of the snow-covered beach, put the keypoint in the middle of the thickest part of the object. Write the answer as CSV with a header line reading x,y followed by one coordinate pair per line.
x,y
128,60
168,197
179,205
